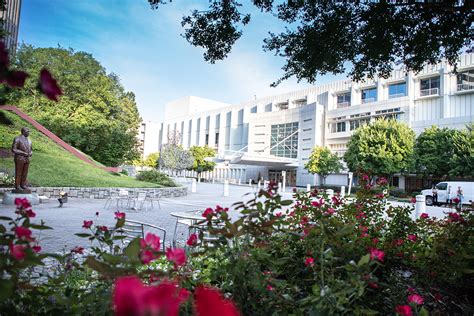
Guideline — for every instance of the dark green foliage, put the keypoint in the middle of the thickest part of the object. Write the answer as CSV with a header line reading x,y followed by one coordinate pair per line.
x,y
434,148
462,161
383,147
95,114
155,176
200,154
323,162
323,36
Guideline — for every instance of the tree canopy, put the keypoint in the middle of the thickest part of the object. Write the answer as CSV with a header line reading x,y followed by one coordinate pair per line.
x,y
322,36
434,149
152,160
462,161
200,154
383,147
323,162
174,157
95,114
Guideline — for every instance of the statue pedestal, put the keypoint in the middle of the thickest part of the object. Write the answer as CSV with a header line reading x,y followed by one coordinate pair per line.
x,y
9,198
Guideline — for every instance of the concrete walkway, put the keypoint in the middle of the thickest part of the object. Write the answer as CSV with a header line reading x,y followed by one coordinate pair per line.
x,y
68,220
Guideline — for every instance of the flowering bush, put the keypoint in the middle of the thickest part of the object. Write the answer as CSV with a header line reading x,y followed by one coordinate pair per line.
x,y
309,255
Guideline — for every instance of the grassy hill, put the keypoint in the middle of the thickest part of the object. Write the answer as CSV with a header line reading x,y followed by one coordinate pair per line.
x,y
51,165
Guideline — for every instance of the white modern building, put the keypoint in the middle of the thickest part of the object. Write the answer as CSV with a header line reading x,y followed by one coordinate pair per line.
x,y
263,137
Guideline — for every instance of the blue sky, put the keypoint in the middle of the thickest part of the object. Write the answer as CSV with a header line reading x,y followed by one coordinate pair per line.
x,y
145,49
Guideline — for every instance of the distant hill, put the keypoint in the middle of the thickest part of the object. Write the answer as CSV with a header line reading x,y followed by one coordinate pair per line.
x,y
51,165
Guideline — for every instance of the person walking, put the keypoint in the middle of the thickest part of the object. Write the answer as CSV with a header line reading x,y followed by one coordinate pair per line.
x,y
460,196
448,196
435,196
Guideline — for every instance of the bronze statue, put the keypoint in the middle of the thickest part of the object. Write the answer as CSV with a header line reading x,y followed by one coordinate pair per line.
x,y
22,149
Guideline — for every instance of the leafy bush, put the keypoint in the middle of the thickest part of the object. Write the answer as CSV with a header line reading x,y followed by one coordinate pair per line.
x,y
310,255
396,192
155,176
124,172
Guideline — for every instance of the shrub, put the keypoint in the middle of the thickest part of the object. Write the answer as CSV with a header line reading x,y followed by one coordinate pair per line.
x,y
304,256
124,172
155,176
396,192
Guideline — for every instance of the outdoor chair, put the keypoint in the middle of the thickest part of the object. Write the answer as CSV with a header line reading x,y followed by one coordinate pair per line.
x,y
141,201
113,198
133,229
155,196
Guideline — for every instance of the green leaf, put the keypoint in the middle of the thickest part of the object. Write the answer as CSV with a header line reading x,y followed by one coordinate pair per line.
x,y
83,235
363,260
111,258
133,249
40,227
98,266
120,223
5,218
423,312
6,289
286,202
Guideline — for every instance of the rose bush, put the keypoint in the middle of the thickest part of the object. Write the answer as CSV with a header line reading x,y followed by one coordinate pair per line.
x,y
311,254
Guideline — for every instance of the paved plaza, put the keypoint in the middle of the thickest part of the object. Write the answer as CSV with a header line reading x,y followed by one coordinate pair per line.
x,y
68,220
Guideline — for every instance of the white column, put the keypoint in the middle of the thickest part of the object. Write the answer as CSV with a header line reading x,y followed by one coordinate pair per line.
x,y
202,131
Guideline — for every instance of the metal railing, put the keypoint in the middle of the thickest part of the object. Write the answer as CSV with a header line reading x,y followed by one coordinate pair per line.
x,y
397,95
465,86
343,105
427,92
368,100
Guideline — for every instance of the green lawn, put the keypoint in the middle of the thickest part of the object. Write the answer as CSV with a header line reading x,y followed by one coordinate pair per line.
x,y
53,166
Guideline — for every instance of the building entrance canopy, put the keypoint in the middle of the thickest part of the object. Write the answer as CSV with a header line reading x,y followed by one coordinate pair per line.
x,y
245,158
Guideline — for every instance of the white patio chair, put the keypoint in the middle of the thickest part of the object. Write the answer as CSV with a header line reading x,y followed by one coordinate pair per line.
x,y
133,229
141,200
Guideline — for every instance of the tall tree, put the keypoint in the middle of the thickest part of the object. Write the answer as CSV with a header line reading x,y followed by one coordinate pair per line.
x,y
462,160
322,36
434,149
200,154
383,148
152,160
323,163
95,114
175,158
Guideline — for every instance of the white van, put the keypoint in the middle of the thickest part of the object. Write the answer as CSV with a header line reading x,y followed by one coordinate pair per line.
x,y
447,191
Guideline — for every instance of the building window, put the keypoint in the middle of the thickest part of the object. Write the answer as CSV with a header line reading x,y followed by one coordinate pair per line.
x,y
253,109
343,100
299,103
338,127
429,86
466,80
397,90
369,95
307,120
306,129
216,144
284,140
354,124
282,106
306,139
206,142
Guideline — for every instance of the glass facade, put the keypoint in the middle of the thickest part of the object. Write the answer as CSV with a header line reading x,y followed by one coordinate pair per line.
x,y
465,80
429,86
284,140
369,95
397,90
344,100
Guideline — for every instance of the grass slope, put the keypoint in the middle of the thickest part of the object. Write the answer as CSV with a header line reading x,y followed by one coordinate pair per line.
x,y
51,165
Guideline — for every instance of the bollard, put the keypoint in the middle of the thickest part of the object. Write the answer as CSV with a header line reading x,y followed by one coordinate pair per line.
x,y
343,191
240,181
259,184
308,187
279,187
226,188
330,193
193,186
420,205
250,182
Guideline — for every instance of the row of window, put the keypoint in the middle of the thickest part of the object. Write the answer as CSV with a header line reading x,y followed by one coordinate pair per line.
x,y
428,86
354,123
